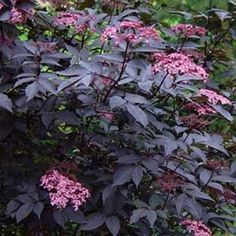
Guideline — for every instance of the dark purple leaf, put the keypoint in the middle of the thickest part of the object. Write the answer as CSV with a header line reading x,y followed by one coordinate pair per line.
x,y
5,102
94,221
138,114
38,208
113,224
137,175
23,211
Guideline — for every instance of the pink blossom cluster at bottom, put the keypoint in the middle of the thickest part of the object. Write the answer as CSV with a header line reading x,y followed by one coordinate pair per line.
x,y
198,228
64,191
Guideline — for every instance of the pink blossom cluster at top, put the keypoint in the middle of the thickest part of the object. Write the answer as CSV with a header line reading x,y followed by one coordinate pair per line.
x,y
202,109
177,64
18,16
198,228
213,97
189,30
131,31
64,191
71,19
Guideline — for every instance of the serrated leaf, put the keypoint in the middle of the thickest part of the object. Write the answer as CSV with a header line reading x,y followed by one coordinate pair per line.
x,y
135,99
5,102
38,208
59,217
23,211
108,191
179,203
68,83
136,215
31,90
94,221
138,114
113,224
137,175
116,101
12,206
122,175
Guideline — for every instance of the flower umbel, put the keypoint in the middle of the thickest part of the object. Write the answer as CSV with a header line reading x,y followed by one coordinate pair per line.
x,y
64,191
177,64
198,228
188,30
214,97
201,109
131,31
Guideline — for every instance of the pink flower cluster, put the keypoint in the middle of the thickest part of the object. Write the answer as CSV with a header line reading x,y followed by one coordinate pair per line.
x,y
198,228
108,115
169,182
177,64
202,109
64,191
188,30
213,97
131,31
18,16
71,19
1,6
194,121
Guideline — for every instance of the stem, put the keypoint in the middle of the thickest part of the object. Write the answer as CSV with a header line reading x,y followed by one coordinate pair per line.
x,y
108,23
189,132
208,181
182,45
222,36
165,203
163,80
207,25
121,73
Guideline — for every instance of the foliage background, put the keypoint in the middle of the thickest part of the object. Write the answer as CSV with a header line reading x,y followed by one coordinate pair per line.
x,y
162,15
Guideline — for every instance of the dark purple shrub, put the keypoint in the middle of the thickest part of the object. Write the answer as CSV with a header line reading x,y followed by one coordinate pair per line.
x,y
107,120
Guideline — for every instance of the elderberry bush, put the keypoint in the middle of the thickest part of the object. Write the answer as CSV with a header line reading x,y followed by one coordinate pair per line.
x,y
108,117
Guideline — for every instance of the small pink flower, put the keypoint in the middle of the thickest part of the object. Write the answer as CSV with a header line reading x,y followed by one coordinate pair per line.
x,y
109,33
130,31
177,64
18,16
148,33
106,80
1,6
189,30
64,191
213,97
202,109
197,228
70,19
128,24
108,115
